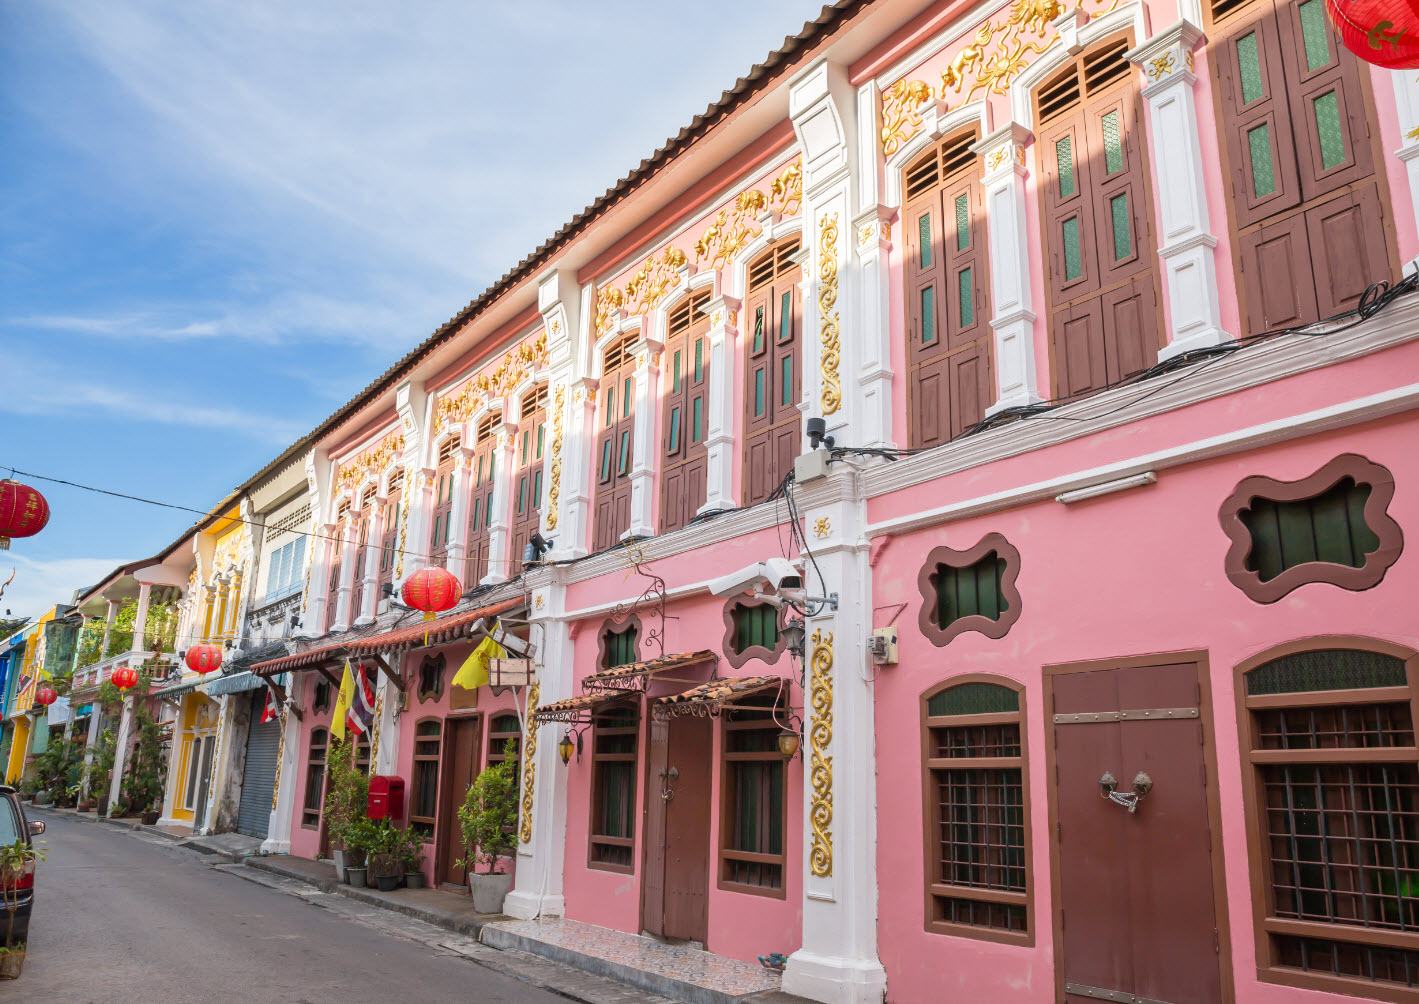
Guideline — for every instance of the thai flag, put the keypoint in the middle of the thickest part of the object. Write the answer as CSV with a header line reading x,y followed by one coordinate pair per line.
x,y
360,717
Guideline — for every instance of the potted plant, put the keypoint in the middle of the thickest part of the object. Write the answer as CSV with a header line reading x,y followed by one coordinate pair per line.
x,y
357,836
17,860
488,818
101,770
385,866
411,855
143,785
347,794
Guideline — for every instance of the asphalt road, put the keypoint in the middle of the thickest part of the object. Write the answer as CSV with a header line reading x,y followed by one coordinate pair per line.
x,y
122,917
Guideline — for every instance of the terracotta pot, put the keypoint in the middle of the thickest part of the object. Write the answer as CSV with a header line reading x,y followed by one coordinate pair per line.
x,y
12,960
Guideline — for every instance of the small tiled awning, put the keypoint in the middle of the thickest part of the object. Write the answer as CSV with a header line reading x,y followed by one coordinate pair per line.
x,y
574,710
634,675
440,631
710,699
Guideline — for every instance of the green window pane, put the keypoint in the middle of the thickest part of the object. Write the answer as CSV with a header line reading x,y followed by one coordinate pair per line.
x,y
785,316
541,439
676,377
1113,144
1263,174
480,473
1064,160
928,316
1332,140
605,460
1123,242
1250,65
699,360
626,398
1313,33
625,461
974,699
488,512
758,392
492,462
1073,264
968,297
786,380
963,221
526,441
924,232
477,512
610,405
537,490
674,428
759,328
698,408
522,493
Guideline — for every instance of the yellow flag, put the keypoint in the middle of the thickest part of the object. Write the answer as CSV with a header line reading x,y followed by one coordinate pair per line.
x,y
474,671
342,704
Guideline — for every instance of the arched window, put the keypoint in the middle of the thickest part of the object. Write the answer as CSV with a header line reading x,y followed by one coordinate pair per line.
x,y
977,816
1097,216
1332,790
362,539
389,542
441,519
948,307
527,482
480,504
685,422
1306,202
615,442
423,799
314,779
773,364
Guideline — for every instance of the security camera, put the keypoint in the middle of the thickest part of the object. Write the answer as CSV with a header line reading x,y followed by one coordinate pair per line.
x,y
774,575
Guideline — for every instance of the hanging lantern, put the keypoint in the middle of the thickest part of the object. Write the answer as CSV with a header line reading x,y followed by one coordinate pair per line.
x,y
124,677
23,511
45,696
1383,32
432,590
204,658
788,742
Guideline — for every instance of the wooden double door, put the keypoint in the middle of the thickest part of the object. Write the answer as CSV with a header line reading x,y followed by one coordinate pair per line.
x,y
462,740
1137,867
678,854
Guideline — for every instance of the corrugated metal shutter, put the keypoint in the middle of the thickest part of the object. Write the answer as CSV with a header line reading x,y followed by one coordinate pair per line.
x,y
258,780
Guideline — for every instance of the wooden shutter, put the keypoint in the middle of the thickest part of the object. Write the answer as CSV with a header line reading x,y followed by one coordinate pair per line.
x,y
482,476
527,486
389,541
773,364
615,444
442,515
685,403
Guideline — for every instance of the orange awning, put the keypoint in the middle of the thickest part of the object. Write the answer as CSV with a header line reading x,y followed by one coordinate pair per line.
x,y
710,699
573,710
633,675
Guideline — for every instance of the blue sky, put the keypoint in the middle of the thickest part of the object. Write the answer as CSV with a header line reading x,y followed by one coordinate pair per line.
x,y
220,220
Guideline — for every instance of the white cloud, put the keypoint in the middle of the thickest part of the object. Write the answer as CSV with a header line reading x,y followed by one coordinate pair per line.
x,y
38,585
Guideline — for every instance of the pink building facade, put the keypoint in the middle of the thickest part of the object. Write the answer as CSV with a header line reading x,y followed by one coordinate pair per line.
x,y
1090,631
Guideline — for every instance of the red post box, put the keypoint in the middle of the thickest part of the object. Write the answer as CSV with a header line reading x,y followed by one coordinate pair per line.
x,y
386,799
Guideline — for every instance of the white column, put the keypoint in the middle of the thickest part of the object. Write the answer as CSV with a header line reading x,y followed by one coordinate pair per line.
x,y
541,846
318,583
120,757
1013,320
500,532
838,959
386,760
113,606
872,236
283,798
347,547
574,524
172,795
140,616
646,449
418,497
720,442
1186,243
1406,99
458,531
566,512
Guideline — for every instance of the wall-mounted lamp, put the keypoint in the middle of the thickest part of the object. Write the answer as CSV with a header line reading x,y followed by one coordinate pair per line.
x,y
817,431
793,636
566,747
788,743
1107,487
386,590
536,547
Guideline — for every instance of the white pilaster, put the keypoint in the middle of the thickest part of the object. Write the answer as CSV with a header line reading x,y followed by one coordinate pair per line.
x,y
1186,245
500,532
386,760
1013,318
538,882
1406,99
283,799
645,451
369,602
458,516
140,615
723,457
347,545
872,236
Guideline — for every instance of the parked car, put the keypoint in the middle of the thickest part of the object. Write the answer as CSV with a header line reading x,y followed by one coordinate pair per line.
x,y
14,826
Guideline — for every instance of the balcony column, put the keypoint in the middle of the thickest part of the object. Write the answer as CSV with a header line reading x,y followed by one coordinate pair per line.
x,y
140,616
458,516
113,606
374,534
1186,244
564,306
645,451
1406,99
120,756
723,458
500,532
1013,321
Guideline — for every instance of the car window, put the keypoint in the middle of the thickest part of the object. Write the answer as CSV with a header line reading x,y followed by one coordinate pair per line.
x,y
9,822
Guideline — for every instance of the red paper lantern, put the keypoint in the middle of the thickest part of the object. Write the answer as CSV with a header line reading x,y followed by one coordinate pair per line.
x,y
432,590
124,677
204,658
1383,32
23,511
45,696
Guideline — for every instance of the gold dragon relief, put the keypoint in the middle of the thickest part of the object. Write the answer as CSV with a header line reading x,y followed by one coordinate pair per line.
x,y
371,461
520,361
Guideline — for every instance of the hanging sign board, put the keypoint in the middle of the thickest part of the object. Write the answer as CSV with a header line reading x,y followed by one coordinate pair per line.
x,y
510,672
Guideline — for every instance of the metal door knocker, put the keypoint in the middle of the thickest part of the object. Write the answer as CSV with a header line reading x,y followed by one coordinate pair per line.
x,y
1142,785
672,774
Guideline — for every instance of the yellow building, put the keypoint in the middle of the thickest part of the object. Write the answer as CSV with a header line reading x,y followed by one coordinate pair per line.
x,y
31,669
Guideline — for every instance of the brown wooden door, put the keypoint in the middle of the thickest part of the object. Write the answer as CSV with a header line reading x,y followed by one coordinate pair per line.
x,y
460,764
1135,914
675,893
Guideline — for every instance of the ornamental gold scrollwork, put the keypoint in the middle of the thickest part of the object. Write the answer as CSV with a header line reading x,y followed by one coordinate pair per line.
x,y
900,106
529,765
820,736
827,316
554,490
374,730
309,560
1161,66
732,230
514,368
280,756
371,461
404,525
